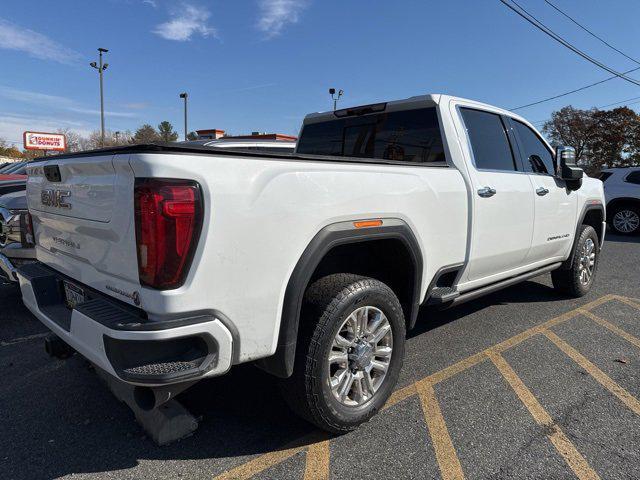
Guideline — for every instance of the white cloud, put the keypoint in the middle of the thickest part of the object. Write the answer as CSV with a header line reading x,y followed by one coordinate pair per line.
x,y
13,37
12,125
55,102
151,3
187,21
277,14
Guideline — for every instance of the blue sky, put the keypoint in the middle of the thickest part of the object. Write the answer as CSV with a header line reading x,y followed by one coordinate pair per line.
x,y
262,64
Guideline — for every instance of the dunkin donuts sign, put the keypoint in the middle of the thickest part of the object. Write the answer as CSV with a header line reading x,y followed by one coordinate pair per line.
x,y
44,141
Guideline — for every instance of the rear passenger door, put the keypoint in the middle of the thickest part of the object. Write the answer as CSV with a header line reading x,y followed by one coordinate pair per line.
x,y
502,218
555,205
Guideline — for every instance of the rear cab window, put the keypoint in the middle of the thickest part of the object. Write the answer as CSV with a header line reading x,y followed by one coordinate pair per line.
x,y
404,136
489,140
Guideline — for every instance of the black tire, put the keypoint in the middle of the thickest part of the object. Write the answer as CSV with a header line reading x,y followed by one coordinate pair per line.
x,y
632,212
570,281
327,304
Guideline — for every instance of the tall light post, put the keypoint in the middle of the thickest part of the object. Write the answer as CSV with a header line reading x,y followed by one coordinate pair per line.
x,y
185,95
101,67
335,98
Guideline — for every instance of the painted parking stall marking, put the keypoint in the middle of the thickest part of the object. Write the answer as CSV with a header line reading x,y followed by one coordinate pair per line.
x,y
317,446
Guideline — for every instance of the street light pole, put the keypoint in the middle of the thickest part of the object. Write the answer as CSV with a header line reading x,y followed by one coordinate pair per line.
x,y
185,95
101,68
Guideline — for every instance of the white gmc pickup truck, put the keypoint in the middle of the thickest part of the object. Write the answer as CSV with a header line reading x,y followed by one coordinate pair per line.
x,y
167,264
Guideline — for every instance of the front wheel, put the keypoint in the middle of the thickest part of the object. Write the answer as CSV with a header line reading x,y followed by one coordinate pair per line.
x,y
349,354
577,280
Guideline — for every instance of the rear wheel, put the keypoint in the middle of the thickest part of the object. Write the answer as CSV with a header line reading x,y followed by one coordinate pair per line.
x,y
577,280
625,220
349,353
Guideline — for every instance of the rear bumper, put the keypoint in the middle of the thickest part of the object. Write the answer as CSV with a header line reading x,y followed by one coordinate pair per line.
x,y
122,341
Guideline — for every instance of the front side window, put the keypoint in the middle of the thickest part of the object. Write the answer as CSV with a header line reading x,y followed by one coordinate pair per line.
x,y
405,136
633,177
537,157
489,140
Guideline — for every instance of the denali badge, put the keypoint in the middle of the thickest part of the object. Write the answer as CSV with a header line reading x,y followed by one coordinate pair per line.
x,y
55,198
135,296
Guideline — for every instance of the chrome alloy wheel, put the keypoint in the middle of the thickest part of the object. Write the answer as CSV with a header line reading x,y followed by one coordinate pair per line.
x,y
360,356
587,262
626,221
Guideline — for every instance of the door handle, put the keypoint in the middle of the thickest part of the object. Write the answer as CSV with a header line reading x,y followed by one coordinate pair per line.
x,y
542,191
486,192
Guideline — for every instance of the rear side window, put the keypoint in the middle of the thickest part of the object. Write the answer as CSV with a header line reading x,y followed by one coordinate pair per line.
x,y
537,157
633,177
604,175
489,140
404,136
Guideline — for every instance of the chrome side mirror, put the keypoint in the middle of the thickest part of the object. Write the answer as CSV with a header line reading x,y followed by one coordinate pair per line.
x,y
567,169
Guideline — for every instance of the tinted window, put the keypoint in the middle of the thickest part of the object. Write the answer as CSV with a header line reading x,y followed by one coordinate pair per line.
x,y
489,141
537,157
406,136
604,175
634,177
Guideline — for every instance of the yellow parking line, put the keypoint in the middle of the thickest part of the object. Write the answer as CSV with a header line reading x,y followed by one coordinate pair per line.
x,y
511,342
261,463
318,457
632,302
400,395
455,369
615,329
560,441
446,455
425,388
601,377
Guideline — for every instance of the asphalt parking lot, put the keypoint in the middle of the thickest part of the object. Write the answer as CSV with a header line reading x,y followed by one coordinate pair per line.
x,y
524,383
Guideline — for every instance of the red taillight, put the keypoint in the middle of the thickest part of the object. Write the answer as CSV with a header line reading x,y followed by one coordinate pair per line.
x,y
26,226
168,223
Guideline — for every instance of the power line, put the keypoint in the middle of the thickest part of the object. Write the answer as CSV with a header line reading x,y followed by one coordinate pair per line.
x,y
621,101
591,33
539,25
542,122
554,97
548,99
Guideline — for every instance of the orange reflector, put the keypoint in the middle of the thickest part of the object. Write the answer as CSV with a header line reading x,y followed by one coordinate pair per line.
x,y
367,223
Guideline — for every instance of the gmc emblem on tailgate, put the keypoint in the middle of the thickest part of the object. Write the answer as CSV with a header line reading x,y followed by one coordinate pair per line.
x,y
55,198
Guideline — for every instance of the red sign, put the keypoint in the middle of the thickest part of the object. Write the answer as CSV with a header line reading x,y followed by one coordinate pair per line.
x,y
44,141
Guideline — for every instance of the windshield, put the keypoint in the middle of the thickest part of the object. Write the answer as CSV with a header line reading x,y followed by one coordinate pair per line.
x,y
11,169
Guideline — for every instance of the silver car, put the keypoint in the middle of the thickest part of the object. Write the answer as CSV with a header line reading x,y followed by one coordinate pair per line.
x,y
16,234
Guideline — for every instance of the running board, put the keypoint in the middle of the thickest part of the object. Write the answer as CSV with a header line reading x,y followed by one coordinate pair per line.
x,y
479,292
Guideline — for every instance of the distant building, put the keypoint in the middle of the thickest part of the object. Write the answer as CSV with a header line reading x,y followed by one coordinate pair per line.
x,y
211,134
215,134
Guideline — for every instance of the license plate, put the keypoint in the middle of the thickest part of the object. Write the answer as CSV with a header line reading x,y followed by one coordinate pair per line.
x,y
73,294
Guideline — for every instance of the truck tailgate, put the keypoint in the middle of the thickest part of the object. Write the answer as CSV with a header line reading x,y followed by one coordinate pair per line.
x,y
83,217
